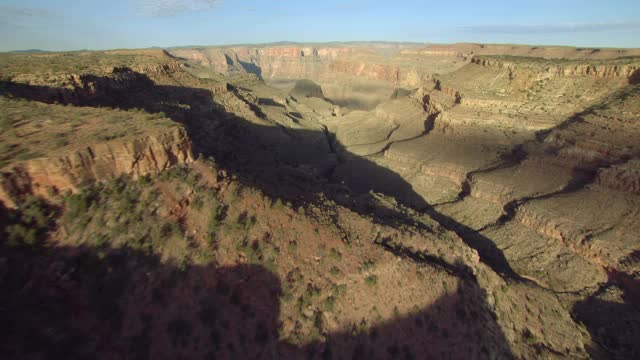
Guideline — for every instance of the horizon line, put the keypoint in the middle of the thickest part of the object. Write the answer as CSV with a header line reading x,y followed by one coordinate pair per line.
x,y
285,42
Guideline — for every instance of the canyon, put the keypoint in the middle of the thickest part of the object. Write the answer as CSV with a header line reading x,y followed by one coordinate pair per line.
x,y
510,173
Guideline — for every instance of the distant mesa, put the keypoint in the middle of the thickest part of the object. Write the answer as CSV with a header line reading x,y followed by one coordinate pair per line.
x,y
28,51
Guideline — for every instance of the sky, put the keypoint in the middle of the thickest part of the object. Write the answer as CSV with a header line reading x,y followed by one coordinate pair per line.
x,y
109,24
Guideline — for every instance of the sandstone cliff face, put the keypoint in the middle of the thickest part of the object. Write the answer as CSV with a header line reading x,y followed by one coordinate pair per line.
x,y
97,162
453,93
453,172
602,71
300,63
547,52
271,62
371,71
433,52
606,70
223,61
169,67
625,177
155,146
612,252
488,62
360,76
292,62
325,53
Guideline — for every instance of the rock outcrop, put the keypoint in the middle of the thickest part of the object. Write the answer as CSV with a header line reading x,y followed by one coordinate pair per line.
x,y
608,69
624,177
96,162
383,72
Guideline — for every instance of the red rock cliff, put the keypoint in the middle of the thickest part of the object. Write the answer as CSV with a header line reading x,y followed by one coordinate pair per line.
x,y
138,156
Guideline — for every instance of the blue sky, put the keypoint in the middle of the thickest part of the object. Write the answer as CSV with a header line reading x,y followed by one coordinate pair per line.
x,y
106,24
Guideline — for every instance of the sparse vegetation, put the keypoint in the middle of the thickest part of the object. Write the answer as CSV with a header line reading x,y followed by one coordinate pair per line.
x,y
336,254
367,265
329,303
67,128
216,216
29,224
371,280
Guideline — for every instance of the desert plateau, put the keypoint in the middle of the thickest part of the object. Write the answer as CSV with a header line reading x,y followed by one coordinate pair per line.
x,y
321,200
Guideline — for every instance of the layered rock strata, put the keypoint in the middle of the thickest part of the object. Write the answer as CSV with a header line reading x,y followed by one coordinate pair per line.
x,y
96,162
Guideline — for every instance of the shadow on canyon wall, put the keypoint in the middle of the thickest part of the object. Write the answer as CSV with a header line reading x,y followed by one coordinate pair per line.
x,y
272,158
293,164
76,302
88,303
615,325
288,163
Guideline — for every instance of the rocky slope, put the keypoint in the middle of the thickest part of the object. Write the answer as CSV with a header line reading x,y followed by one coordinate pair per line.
x,y
523,162
603,69
509,170
489,211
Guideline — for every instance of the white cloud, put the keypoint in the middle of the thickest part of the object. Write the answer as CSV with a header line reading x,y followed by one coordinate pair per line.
x,y
162,8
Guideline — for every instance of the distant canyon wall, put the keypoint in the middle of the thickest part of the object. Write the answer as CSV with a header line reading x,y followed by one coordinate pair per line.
x,y
268,62
359,77
378,62
364,76
605,70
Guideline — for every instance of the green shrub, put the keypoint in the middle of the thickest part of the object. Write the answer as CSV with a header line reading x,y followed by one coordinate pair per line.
x,y
329,303
305,300
336,254
76,205
129,198
371,280
292,246
245,222
286,295
278,204
29,223
368,265
198,202
339,290
20,234
217,215
254,252
170,229
37,212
